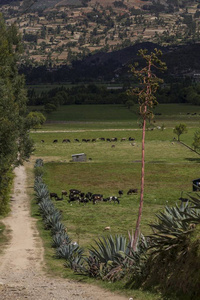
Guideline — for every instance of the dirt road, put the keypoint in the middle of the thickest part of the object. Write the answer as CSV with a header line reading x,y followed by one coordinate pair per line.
x,y
21,273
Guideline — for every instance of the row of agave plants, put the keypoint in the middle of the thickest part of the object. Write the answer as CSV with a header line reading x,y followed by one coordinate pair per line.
x,y
168,259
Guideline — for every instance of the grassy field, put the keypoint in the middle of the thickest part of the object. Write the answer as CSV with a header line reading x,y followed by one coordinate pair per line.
x,y
169,170
118,116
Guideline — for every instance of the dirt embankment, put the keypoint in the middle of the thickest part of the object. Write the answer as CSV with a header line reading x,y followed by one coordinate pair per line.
x,y
21,274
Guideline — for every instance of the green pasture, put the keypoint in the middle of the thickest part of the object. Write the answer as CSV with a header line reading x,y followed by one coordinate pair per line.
x,y
118,116
113,166
169,170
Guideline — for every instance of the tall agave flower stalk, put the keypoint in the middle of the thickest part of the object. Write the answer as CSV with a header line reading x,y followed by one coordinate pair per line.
x,y
149,84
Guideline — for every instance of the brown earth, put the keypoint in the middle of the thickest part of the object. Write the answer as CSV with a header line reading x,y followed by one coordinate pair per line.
x,y
22,274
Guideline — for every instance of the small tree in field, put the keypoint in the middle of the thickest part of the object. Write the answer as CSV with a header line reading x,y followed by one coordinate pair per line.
x,y
196,142
35,119
180,129
148,85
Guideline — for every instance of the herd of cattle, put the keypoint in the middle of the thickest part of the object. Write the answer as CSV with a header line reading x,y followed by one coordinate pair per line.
x,y
78,196
94,140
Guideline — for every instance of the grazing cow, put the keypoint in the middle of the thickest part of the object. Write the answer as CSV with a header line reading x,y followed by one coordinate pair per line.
x,y
73,198
88,140
131,139
108,140
123,139
66,141
113,146
96,197
55,141
76,140
64,193
89,196
114,198
53,195
84,140
102,139
42,141
114,139
74,191
120,193
83,200
94,140
132,191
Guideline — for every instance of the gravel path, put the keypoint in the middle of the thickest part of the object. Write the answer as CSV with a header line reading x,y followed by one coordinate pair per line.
x,y
21,265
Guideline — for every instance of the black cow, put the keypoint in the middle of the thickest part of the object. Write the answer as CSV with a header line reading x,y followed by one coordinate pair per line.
x,y
73,198
120,193
66,141
53,195
131,139
132,191
55,141
74,191
76,140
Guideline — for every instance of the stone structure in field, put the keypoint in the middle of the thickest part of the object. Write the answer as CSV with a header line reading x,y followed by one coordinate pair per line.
x,y
79,157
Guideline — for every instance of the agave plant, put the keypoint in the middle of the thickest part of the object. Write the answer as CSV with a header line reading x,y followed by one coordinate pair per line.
x,y
58,227
60,238
46,207
69,251
108,248
108,254
51,220
41,193
38,163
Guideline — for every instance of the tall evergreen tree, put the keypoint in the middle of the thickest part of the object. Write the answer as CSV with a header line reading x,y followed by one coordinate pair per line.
x,y
15,144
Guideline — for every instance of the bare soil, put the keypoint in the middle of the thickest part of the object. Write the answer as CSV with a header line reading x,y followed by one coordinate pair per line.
x,y
22,274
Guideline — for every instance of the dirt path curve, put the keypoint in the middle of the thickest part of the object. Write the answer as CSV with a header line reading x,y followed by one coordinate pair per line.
x,y
21,275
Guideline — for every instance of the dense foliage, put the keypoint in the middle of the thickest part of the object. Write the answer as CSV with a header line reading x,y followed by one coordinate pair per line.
x,y
15,145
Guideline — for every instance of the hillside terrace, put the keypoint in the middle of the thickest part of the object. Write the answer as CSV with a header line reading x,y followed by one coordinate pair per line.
x,y
95,27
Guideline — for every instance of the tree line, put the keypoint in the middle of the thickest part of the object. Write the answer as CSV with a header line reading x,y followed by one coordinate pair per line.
x,y
15,143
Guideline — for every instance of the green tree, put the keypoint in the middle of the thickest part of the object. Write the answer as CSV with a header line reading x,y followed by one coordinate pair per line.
x,y
196,142
148,85
180,129
15,144
129,103
35,119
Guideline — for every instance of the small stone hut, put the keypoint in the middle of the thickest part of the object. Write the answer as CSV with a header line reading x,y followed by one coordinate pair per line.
x,y
79,157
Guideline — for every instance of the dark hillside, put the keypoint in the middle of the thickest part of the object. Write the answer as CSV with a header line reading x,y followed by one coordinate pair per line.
x,y
180,60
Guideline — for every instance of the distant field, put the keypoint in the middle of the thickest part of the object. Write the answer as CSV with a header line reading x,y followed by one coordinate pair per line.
x,y
170,167
118,116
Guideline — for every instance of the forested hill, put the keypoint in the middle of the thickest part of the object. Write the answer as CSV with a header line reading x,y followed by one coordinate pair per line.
x,y
180,60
